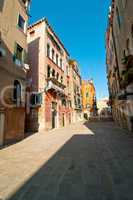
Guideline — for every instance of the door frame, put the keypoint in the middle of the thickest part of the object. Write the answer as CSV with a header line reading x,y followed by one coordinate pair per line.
x,y
54,114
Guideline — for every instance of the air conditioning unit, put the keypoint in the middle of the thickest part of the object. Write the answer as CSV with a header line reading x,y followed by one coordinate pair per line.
x,y
26,66
2,52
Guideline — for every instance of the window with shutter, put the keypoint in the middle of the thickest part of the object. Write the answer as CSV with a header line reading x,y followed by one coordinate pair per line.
x,y
36,99
21,22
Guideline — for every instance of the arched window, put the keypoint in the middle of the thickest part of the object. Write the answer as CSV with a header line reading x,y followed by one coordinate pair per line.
x,y
61,64
118,17
124,53
53,73
17,92
48,71
132,31
48,50
57,59
128,46
53,53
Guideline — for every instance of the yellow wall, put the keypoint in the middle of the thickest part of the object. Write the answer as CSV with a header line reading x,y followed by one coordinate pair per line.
x,y
88,87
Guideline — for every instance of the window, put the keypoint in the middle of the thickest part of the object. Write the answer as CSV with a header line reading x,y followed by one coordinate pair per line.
x,y
78,101
118,17
24,1
57,76
57,59
67,70
18,52
61,63
53,73
75,100
63,102
124,53
53,54
48,71
1,5
17,92
48,50
36,99
128,45
69,104
87,94
124,3
21,22
61,79
132,31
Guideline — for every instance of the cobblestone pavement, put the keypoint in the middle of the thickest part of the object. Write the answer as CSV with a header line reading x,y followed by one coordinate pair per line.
x,y
91,161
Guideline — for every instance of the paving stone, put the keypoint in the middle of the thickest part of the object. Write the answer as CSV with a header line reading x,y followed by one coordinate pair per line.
x,y
89,161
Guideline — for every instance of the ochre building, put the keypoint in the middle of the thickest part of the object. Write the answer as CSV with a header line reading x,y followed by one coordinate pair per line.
x,y
88,98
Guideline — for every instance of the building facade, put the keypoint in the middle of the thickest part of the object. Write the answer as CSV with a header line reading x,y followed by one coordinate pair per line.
x,y
13,68
89,98
104,108
49,79
119,45
75,86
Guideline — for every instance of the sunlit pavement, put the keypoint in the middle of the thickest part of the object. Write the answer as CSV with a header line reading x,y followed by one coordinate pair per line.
x,y
91,161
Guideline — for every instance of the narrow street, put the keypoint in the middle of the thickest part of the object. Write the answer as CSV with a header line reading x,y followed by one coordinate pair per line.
x,y
91,161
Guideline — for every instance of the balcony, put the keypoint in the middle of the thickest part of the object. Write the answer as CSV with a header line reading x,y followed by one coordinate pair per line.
x,y
78,107
55,85
127,73
21,64
127,77
2,52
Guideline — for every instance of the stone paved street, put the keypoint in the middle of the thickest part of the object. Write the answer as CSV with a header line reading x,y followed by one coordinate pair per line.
x,y
82,162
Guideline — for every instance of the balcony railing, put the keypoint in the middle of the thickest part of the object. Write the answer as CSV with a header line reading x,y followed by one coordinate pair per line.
x,y
20,63
54,84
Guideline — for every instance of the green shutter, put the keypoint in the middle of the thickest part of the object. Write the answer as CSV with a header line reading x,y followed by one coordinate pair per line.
x,y
15,51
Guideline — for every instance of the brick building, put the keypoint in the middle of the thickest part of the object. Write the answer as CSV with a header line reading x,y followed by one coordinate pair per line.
x,y
50,103
13,68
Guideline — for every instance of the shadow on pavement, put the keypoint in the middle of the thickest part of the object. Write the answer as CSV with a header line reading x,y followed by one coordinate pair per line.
x,y
89,166
63,176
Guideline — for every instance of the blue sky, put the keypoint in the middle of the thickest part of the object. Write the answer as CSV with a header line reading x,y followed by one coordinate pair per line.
x,y
81,26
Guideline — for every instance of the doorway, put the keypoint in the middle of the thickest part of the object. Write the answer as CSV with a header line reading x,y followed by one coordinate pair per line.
x,y
54,114
69,118
53,119
2,125
63,119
